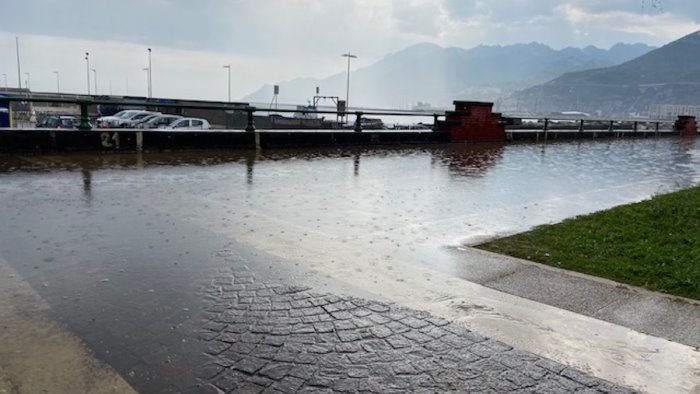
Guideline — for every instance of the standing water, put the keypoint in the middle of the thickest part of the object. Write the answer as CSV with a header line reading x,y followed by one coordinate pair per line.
x,y
117,244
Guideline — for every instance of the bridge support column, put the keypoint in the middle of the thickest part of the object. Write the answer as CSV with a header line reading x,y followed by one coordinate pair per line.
x,y
250,127
84,116
358,122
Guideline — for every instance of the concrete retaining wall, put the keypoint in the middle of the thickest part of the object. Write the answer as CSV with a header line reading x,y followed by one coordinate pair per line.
x,y
15,141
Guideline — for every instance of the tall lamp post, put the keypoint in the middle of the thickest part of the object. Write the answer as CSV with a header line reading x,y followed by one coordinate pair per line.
x,y
150,74
228,66
347,89
148,81
87,67
95,73
58,84
19,68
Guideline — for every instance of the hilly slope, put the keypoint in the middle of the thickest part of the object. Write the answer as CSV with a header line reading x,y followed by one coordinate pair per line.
x,y
430,73
667,75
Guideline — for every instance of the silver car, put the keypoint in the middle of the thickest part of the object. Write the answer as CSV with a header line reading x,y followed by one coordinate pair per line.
x,y
189,124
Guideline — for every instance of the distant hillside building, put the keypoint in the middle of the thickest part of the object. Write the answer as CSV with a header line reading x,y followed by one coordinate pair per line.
x,y
670,111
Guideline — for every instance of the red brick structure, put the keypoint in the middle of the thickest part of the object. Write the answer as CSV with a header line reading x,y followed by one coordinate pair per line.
x,y
687,125
473,121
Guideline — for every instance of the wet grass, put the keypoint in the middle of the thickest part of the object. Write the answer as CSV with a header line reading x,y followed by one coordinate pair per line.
x,y
654,244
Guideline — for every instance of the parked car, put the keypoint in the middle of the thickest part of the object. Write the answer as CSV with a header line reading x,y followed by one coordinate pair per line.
x,y
120,118
158,122
138,118
59,122
189,124
105,121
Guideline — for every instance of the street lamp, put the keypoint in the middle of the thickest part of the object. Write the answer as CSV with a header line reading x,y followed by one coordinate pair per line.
x,y
148,81
150,71
95,72
58,84
347,89
228,66
19,69
87,67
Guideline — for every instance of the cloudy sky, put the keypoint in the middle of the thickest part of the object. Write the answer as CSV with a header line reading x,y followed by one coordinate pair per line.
x,y
267,41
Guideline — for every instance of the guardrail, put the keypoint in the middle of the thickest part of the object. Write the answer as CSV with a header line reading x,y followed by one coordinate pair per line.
x,y
571,127
85,102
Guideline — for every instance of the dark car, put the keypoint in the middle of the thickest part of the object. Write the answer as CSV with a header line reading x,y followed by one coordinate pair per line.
x,y
158,122
59,122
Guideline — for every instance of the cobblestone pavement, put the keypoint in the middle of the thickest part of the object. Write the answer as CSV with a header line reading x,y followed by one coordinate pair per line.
x,y
272,338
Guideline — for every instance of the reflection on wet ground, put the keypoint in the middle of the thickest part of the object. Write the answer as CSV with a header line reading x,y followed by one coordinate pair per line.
x,y
118,245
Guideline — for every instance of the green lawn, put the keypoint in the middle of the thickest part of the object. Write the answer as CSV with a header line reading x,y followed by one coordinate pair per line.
x,y
653,244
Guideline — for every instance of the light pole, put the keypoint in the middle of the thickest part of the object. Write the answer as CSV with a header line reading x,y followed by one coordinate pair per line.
x,y
29,83
148,81
150,74
19,71
87,67
58,84
95,72
347,89
228,66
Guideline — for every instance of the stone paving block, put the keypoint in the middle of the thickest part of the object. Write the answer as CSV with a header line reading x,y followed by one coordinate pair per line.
x,y
250,365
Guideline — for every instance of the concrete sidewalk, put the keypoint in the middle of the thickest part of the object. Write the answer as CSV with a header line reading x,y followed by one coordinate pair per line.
x,y
674,318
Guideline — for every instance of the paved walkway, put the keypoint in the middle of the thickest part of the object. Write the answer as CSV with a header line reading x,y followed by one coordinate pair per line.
x,y
271,338
648,312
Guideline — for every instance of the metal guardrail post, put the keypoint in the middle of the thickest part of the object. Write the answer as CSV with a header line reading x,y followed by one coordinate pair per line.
x,y
435,122
610,126
545,128
634,128
656,130
358,122
580,126
250,127
84,116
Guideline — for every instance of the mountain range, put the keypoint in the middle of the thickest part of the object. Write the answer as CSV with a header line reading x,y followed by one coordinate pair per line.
x,y
436,75
669,75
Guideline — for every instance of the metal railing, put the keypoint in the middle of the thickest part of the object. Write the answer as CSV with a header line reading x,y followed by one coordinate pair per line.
x,y
84,102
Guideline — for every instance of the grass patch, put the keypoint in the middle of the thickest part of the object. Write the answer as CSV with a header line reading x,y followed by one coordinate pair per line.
x,y
654,244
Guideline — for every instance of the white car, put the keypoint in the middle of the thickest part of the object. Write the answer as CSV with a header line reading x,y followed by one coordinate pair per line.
x,y
189,124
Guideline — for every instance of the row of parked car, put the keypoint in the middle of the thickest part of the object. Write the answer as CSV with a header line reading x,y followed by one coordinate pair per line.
x,y
141,119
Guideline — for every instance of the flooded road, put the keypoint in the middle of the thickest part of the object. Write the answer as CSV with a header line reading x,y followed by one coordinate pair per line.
x,y
120,246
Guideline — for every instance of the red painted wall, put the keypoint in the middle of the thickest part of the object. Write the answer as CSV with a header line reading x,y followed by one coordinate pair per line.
x,y
687,125
473,121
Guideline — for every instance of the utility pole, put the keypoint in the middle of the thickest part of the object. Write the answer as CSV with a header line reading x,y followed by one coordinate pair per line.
x,y
87,67
148,81
150,75
347,89
58,84
95,72
228,66
19,70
